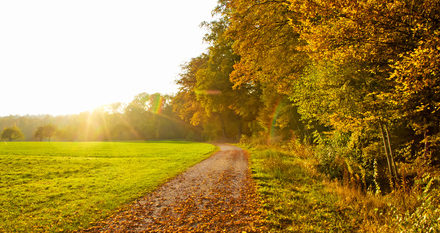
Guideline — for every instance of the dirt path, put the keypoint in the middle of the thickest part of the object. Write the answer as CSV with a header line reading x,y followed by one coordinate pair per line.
x,y
215,195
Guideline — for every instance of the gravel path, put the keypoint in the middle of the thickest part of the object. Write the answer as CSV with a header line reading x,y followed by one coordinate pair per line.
x,y
216,195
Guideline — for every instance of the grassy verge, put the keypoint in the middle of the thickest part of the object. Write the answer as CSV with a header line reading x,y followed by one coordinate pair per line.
x,y
63,186
294,196
297,198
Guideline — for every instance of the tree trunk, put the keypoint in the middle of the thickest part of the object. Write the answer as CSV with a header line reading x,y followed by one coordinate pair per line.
x,y
240,129
157,133
393,163
223,126
425,137
387,154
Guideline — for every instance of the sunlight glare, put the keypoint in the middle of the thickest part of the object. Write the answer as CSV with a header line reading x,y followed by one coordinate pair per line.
x,y
63,57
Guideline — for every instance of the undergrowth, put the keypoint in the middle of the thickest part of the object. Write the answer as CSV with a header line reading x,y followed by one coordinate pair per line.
x,y
296,197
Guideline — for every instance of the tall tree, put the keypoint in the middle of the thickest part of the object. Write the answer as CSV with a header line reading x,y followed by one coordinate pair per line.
x,y
11,133
269,64
354,47
206,90
266,43
46,131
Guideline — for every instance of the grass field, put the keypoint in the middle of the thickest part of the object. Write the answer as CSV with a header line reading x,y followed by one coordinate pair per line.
x,y
63,186
294,197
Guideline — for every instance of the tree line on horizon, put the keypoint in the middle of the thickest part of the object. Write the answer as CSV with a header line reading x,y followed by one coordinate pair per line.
x,y
146,117
358,80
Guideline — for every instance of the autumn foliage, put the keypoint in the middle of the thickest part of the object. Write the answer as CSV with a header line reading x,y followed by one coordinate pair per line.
x,y
358,80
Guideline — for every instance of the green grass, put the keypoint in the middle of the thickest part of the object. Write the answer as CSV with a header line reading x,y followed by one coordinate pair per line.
x,y
294,198
63,186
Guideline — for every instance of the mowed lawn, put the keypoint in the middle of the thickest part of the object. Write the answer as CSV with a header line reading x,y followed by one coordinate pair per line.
x,y
63,186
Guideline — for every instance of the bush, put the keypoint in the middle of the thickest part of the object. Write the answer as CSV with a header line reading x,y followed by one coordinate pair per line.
x,y
426,216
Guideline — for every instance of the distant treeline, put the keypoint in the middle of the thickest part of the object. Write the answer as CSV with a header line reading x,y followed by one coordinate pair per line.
x,y
145,117
359,80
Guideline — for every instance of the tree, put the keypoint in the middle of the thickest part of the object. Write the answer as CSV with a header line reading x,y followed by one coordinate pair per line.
x,y
268,46
46,131
269,64
185,102
206,91
416,74
11,133
375,70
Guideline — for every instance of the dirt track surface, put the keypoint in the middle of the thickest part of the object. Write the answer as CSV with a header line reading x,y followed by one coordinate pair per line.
x,y
216,195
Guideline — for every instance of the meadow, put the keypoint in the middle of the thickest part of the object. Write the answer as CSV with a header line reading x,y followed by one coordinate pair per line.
x,y
65,186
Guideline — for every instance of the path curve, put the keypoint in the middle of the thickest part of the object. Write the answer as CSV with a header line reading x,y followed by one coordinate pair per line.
x,y
215,195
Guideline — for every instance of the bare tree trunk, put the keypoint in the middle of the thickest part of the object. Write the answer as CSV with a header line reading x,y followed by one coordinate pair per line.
x,y
387,154
393,163
425,137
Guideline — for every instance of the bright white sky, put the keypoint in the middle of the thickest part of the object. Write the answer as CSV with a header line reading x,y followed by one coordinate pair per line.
x,y
68,56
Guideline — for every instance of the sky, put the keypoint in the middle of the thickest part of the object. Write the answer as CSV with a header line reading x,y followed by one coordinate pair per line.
x,y
63,57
